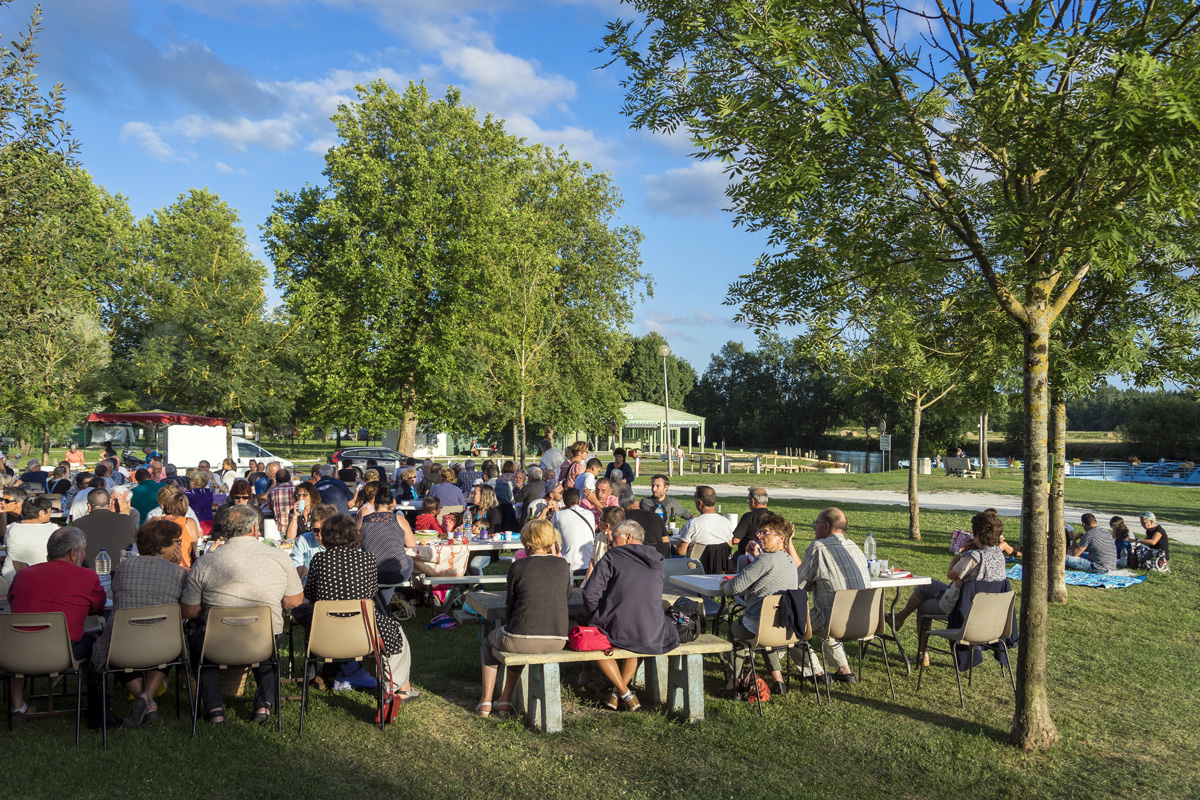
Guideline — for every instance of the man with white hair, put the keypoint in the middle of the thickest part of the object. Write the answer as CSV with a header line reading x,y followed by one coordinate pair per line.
x,y
552,457
60,583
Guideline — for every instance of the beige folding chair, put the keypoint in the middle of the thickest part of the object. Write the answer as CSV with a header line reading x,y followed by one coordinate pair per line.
x,y
144,639
777,637
33,645
857,616
238,637
989,622
339,634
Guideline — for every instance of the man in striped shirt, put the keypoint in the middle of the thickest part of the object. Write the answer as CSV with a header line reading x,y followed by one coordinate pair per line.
x,y
830,563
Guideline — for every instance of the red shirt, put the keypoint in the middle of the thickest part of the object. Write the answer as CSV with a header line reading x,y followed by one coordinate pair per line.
x,y
58,586
427,522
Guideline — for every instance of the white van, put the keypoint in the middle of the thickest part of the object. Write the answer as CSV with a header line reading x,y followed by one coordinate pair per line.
x,y
186,446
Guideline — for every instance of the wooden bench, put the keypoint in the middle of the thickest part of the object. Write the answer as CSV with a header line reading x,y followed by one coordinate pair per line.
x,y
674,680
960,467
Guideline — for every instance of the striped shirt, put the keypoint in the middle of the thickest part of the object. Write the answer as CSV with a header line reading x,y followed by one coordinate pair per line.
x,y
830,564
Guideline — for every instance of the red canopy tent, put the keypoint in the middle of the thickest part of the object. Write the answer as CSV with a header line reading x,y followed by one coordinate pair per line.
x,y
155,418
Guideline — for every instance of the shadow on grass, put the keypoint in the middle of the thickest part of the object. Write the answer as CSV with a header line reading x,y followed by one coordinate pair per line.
x,y
925,715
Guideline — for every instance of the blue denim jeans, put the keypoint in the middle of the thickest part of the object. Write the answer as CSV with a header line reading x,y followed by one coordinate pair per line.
x,y
1083,565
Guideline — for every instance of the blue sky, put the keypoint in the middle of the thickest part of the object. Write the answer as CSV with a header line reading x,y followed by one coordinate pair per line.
x,y
235,95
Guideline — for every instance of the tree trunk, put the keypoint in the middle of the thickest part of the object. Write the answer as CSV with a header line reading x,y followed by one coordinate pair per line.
x,y
408,434
1056,545
914,509
518,449
550,436
1032,727
229,441
45,445
984,467
25,446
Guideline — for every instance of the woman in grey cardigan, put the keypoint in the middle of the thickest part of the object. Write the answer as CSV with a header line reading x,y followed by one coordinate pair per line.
x,y
770,573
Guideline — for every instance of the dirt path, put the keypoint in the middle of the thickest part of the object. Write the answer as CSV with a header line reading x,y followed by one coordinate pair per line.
x,y
1007,505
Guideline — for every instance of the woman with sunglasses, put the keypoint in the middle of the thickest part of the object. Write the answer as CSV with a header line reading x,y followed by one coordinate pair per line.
x,y
240,494
771,572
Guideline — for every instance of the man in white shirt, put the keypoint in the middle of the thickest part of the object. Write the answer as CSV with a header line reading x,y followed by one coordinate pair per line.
x,y
578,530
552,457
26,540
707,528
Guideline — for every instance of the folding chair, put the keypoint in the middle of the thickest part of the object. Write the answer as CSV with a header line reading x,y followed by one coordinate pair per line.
x,y
238,637
36,645
777,637
149,638
989,622
857,615
339,634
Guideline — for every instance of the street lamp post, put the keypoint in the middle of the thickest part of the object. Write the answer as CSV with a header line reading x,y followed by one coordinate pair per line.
x,y
664,351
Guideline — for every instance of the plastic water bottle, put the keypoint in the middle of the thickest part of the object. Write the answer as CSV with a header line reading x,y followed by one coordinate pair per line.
x,y
658,509
466,524
869,552
130,552
103,568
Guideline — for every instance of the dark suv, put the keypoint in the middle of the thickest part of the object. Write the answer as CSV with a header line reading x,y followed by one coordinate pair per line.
x,y
387,459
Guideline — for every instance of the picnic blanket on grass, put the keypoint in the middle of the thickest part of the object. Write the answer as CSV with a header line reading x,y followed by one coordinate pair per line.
x,y
1118,580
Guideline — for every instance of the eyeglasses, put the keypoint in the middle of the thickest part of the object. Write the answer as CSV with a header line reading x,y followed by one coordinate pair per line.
x,y
8,500
316,528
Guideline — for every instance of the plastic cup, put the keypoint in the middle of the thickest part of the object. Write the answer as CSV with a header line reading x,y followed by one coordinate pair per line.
x,y
884,569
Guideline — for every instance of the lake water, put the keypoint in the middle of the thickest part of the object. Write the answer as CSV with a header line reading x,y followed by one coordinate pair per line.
x,y
858,459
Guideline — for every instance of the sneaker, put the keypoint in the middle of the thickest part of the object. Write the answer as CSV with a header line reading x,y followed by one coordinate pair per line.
x,y
613,701
778,688
845,677
357,677
630,701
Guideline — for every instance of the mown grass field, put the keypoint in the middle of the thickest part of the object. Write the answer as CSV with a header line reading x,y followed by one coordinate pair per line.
x,y
1123,672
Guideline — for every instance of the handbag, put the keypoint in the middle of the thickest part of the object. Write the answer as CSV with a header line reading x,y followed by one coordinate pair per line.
x,y
588,637
442,560
389,701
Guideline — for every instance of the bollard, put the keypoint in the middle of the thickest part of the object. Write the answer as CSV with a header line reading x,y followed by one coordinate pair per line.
x,y
758,465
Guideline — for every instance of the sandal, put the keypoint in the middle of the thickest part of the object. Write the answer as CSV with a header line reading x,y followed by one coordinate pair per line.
x,y
262,714
215,716
502,708
137,714
483,709
612,702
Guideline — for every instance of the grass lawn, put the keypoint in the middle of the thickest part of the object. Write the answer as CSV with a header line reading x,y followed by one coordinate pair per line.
x,y
1119,738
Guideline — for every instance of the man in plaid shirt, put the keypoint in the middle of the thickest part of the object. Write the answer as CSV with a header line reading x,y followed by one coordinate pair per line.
x,y
282,500
831,562
468,477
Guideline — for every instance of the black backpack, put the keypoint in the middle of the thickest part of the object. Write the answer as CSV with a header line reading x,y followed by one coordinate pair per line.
x,y
687,617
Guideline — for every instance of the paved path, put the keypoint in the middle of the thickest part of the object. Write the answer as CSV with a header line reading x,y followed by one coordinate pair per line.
x,y
1006,505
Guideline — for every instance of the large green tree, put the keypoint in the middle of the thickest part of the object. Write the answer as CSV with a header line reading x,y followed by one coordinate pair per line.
x,y
387,261
1044,137
642,373
562,279
453,273
194,332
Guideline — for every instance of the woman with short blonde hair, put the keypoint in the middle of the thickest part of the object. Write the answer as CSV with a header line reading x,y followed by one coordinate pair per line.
x,y
538,588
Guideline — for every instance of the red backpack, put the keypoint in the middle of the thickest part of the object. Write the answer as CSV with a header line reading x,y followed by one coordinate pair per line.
x,y
588,637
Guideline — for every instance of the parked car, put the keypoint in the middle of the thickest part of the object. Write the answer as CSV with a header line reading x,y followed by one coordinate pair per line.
x,y
387,459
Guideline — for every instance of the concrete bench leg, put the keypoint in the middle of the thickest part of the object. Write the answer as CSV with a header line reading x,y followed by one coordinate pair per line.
x,y
539,697
685,687
654,678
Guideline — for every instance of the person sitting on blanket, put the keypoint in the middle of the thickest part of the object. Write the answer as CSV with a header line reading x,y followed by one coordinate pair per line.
x,y
1094,550
1156,537
1122,539
537,622
980,559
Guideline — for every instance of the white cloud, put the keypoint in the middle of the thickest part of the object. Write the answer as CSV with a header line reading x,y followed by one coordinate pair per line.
x,y
144,134
581,144
223,167
240,134
679,326
504,83
695,190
